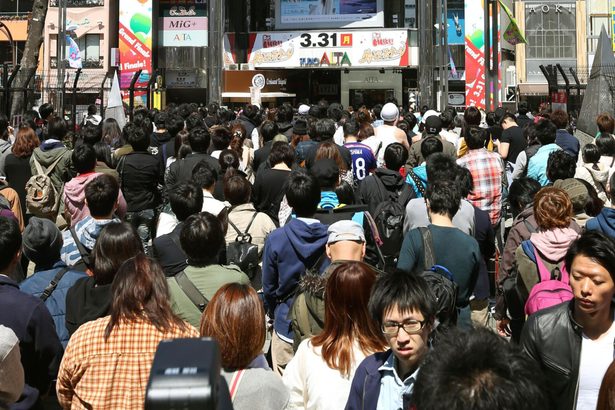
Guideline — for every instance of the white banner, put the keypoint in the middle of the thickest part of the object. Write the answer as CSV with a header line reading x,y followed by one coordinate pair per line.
x,y
309,49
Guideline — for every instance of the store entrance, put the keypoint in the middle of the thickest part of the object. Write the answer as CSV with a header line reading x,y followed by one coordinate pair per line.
x,y
370,97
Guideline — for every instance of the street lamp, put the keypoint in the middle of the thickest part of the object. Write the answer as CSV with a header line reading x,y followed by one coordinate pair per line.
x,y
5,30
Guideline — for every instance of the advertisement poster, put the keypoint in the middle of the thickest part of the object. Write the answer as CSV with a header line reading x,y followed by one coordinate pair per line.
x,y
135,36
475,53
329,13
183,25
313,49
455,27
613,29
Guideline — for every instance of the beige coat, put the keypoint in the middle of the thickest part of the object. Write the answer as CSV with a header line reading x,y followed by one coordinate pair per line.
x,y
240,216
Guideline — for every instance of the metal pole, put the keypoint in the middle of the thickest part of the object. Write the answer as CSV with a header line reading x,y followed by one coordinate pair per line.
x,y
150,83
131,92
4,28
5,84
7,89
426,66
445,59
61,52
74,104
487,40
214,52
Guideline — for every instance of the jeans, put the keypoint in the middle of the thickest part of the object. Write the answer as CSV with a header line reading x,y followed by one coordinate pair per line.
x,y
144,222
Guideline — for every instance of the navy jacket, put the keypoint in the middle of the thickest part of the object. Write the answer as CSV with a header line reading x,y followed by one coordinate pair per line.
x,y
41,350
56,303
365,387
568,142
288,252
604,222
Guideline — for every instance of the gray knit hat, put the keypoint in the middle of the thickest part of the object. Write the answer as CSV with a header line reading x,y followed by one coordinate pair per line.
x,y
42,241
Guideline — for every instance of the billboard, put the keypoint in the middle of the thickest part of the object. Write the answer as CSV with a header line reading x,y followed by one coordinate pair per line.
x,y
475,53
183,25
326,49
135,36
455,27
293,14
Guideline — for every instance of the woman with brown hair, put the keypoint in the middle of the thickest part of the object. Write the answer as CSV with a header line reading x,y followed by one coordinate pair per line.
x,y
320,374
235,318
17,164
107,361
246,154
329,150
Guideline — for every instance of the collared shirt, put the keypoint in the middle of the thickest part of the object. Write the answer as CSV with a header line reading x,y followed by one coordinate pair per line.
x,y
393,390
486,169
110,374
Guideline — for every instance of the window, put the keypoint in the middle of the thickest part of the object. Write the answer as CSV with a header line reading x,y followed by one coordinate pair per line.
x,y
595,26
89,49
550,31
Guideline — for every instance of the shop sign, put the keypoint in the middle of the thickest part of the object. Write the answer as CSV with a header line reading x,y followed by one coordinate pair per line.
x,y
181,79
549,8
183,26
457,99
268,81
559,101
326,49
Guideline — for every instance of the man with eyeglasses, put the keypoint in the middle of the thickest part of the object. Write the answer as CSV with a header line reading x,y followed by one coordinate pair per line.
x,y
404,307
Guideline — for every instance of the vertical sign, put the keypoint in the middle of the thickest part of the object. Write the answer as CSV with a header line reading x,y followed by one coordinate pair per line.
x,y
613,28
475,53
183,25
135,44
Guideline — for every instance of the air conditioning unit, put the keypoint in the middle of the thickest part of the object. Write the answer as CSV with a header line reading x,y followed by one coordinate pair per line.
x,y
233,67
246,66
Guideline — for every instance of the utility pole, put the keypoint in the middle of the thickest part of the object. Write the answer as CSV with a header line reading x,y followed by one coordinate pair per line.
x,y
61,54
426,45
214,52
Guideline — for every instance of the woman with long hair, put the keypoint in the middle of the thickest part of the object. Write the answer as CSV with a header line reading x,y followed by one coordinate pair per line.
x,y
17,163
246,154
112,134
320,374
329,150
90,298
107,361
235,318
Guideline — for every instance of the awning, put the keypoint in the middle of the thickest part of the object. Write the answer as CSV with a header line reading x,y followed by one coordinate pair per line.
x,y
263,95
533,88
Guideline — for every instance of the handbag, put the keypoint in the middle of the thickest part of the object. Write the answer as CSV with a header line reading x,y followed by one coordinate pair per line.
x,y
242,252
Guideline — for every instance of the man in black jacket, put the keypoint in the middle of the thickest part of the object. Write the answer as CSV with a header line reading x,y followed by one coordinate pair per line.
x,y
181,170
573,341
140,174
27,316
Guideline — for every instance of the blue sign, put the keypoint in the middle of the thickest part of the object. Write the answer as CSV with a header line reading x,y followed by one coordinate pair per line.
x,y
455,23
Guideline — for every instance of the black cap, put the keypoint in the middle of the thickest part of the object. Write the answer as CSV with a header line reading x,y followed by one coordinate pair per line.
x,y
300,127
433,125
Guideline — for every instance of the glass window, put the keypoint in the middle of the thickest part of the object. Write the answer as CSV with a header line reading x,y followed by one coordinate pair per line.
x,y
550,31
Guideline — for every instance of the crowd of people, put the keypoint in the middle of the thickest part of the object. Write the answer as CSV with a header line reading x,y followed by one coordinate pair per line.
x,y
368,258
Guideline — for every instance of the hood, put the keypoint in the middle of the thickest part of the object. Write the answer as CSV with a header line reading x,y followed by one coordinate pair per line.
x,y
390,179
606,221
75,188
306,239
284,126
328,200
49,151
89,234
93,301
160,138
599,175
554,244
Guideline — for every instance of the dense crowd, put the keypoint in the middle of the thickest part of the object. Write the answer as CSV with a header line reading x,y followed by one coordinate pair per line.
x,y
368,258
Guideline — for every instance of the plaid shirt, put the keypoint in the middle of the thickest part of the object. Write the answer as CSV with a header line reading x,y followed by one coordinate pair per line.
x,y
95,374
486,169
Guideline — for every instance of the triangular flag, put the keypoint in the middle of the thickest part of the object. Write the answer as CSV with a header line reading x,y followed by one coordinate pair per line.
x,y
512,34
115,106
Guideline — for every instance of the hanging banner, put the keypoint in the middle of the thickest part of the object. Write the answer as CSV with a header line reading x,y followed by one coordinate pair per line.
x,y
135,36
313,49
613,28
475,53
512,34
455,27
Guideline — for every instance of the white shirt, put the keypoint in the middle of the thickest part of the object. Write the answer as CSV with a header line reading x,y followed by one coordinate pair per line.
x,y
378,145
596,356
314,385
338,137
168,221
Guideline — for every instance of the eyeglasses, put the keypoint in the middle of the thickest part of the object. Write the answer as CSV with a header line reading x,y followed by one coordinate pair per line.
x,y
410,326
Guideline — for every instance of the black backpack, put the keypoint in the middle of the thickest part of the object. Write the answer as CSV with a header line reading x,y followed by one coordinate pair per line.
x,y
441,282
389,216
243,252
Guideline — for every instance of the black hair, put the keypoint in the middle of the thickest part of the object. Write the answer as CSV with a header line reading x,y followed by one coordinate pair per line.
x,y
521,193
91,134
194,120
508,116
202,239
545,132
186,198
84,158
606,145
228,159
411,120
323,130
446,117
199,139
431,145
475,137
136,137
160,119
204,175
560,165
395,156
440,166
351,128
472,116
303,193
479,370
491,118
92,109
529,133
345,193
250,111
594,204
103,153
237,190
284,113
10,241
269,130
220,138
45,110
403,290
335,111
464,181
174,124
595,245
444,197
523,107
57,129
102,193
117,242
281,152
591,155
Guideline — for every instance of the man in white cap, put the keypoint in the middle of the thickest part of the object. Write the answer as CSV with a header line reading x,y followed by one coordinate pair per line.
x,y
387,133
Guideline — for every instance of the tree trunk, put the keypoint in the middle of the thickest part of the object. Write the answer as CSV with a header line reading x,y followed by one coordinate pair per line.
x,y
29,60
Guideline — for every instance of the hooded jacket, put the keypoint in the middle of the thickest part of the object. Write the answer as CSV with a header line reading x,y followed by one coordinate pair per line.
x,y
87,232
370,192
46,154
86,301
598,178
421,174
288,252
551,247
74,198
604,222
